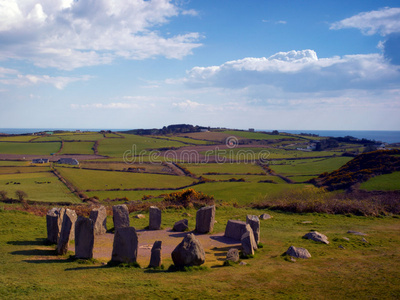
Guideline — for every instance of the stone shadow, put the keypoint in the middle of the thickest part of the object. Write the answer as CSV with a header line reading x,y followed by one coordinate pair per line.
x,y
225,240
36,242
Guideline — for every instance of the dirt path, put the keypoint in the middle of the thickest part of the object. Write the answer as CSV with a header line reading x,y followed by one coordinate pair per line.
x,y
215,245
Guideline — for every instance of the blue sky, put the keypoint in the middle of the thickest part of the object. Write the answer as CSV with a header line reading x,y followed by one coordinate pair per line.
x,y
262,64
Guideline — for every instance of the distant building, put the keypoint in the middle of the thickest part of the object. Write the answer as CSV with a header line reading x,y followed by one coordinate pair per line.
x,y
68,161
40,161
251,129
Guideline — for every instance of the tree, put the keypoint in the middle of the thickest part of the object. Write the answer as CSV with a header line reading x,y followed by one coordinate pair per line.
x,y
21,195
3,195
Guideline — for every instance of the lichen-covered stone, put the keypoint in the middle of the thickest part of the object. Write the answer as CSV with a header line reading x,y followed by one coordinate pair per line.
x,y
154,218
254,223
125,246
235,229
316,236
155,258
54,220
189,252
181,225
120,216
205,219
67,231
298,252
99,217
84,238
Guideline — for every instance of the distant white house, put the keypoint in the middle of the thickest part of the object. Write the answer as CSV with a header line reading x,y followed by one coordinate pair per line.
x,y
68,161
40,161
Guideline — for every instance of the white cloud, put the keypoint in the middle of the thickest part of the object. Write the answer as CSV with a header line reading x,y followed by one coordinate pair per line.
x,y
384,21
113,105
68,34
298,71
187,104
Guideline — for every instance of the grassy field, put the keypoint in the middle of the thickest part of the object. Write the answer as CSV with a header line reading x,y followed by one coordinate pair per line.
x,y
90,136
43,186
102,180
387,182
11,163
184,140
148,167
31,270
257,135
17,138
77,148
233,168
30,169
29,148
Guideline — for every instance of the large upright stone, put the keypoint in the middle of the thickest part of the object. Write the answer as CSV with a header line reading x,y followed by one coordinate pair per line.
x,y
254,223
235,229
154,218
67,231
84,238
189,252
248,242
125,246
99,217
54,220
155,258
120,216
205,219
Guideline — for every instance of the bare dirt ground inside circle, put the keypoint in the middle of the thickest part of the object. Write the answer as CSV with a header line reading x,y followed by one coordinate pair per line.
x,y
215,245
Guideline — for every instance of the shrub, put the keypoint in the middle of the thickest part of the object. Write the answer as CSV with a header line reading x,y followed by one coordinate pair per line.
x,y
188,198
3,195
21,195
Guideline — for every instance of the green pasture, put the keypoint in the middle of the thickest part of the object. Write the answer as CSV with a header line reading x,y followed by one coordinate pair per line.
x,y
29,148
131,195
55,191
133,145
247,178
257,135
232,168
356,270
89,136
148,167
184,140
387,182
12,163
17,138
77,148
102,180
309,166
24,169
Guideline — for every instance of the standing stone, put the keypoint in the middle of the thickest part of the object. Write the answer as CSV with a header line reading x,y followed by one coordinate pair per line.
x,y
181,225
67,231
84,238
189,252
316,236
205,219
54,219
298,252
235,229
125,246
155,259
99,217
120,216
233,255
154,218
248,242
254,223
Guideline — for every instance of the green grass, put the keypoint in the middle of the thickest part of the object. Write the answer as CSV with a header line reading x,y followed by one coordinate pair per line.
x,y
256,135
11,163
17,138
148,167
30,270
55,191
185,140
131,195
234,168
30,169
77,148
102,180
387,182
29,148
90,136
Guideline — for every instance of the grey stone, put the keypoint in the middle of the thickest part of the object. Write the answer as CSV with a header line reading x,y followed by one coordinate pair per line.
x,y
254,223
364,240
298,252
54,220
242,263
346,238
140,216
154,218
356,232
125,246
248,242
120,216
67,231
233,255
189,252
316,236
235,229
265,217
99,217
205,219
84,238
181,225
155,259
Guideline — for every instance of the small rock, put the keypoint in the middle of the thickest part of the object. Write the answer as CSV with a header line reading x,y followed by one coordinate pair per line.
x,y
298,252
242,263
233,255
356,232
292,259
181,225
346,238
341,247
265,217
140,216
364,240
306,222
316,236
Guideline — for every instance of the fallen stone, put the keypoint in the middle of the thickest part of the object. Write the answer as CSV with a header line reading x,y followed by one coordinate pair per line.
x,y
235,229
84,238
254,223
205,219
248,242
140,216
120,216
181,225
67,231
298,252
99,217
233,255
189,252
364,240
125,246
154,218
356,232
155,259
316,236
54,220
265,217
